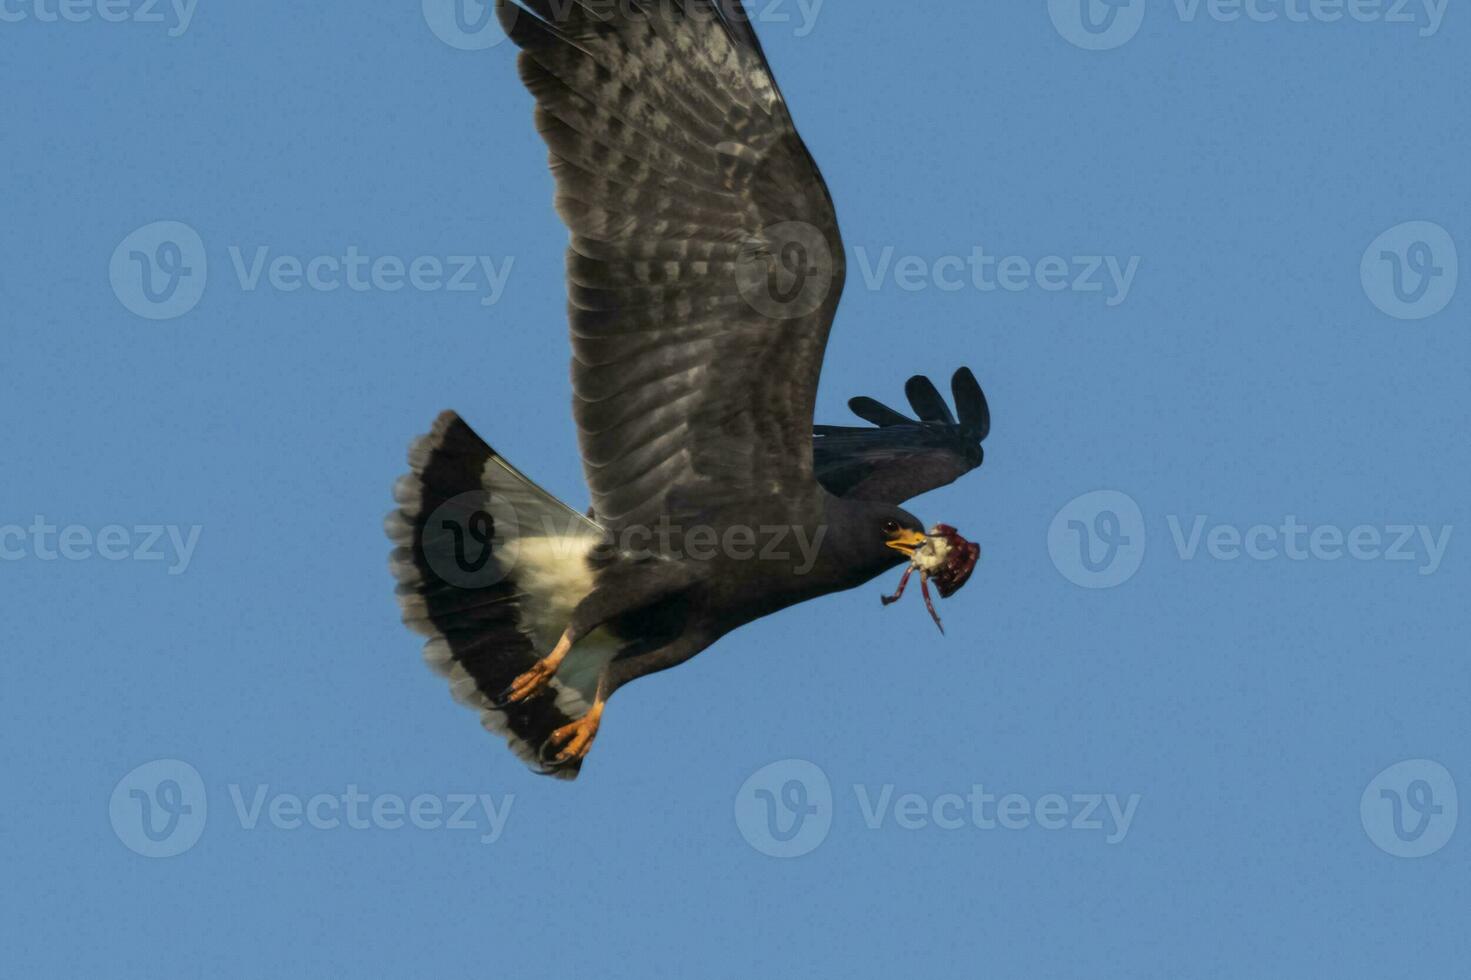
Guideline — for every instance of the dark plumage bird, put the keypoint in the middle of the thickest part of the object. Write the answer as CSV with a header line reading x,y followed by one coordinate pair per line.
x,y
704,273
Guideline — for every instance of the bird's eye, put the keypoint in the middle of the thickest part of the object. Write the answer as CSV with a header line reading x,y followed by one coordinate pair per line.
x,y
891,527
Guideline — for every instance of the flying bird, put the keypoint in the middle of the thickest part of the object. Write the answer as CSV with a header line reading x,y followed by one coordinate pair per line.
x,y
704,273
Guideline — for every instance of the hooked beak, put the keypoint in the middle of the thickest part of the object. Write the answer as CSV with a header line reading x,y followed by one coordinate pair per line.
x,y
907,542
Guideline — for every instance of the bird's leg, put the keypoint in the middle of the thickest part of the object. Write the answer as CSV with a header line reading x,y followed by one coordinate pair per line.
x,y
567,746
593,611
618,592
535,680
570,744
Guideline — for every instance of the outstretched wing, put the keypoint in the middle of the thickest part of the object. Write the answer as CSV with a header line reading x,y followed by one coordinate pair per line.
x,y
903,457
705,264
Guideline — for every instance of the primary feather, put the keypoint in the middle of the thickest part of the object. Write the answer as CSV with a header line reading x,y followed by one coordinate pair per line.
x,y
901,457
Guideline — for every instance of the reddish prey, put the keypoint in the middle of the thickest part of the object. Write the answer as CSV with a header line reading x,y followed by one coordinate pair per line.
x,y
948,559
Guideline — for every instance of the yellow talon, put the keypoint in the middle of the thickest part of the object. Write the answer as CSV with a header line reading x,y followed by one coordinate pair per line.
x,y
535,680
578,737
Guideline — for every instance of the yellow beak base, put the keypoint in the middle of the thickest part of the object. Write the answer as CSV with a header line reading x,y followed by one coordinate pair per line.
x,y
907,542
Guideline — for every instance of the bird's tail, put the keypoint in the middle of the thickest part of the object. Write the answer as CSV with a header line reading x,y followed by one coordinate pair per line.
x,y
489,569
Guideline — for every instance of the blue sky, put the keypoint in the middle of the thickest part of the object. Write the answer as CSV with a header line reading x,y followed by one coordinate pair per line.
x,y
1200,713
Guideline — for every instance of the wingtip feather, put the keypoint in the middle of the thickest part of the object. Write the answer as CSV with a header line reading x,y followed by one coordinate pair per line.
x,y
970,402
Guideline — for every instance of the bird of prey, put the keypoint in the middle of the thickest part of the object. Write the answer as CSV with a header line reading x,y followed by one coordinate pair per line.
x,y
704,272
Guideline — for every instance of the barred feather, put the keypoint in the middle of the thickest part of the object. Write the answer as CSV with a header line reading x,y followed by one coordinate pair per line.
x,y
674,156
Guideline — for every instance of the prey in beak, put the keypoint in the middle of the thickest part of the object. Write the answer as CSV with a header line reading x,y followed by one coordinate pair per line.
x,y
942,555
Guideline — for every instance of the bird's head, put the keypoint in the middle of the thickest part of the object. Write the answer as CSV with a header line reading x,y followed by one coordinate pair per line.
x,y
903,534
865,538
876,537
